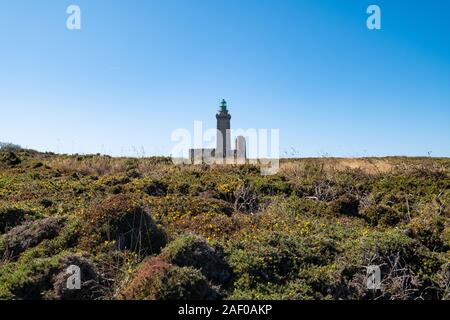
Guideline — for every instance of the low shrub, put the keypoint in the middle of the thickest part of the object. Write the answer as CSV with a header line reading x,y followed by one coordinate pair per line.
x,y
406,268
346,204
272,186
156,188
429,228
122,220
11,217
68,237
90,282
192,251
159,280
29,234
275,257
383,215
28,279
172,208
211,226
309,232
10,158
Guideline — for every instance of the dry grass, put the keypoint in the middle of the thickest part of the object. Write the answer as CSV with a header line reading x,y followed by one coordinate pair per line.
x,y
94,165
371,166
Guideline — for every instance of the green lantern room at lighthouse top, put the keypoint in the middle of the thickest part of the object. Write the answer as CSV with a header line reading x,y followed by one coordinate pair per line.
x,y
223,106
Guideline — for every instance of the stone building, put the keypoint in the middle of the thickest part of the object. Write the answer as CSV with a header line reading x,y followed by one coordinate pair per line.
x,y
223,152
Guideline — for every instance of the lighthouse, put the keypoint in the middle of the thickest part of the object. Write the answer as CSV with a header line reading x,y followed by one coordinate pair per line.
x,y
223,146
222,154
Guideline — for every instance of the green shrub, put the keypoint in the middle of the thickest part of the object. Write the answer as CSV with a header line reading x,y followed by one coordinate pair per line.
x,y
28,279
275,258
297,206
272,186
383,215
172,208
406,267
45,278
406,193
429,228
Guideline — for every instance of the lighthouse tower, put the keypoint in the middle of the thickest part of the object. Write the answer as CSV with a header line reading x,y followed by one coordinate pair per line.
x,y
223,148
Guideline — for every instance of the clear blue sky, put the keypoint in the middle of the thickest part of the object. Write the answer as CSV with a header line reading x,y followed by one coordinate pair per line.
x,y
140,69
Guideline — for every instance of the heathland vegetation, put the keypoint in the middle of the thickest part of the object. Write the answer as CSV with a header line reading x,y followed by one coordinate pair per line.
x,y
147,229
